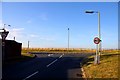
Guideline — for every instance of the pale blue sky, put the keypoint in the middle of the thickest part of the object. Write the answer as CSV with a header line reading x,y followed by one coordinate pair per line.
x,y
45,24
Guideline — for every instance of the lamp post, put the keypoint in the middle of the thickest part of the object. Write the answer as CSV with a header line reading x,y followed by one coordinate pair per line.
x,y
98,47
68,39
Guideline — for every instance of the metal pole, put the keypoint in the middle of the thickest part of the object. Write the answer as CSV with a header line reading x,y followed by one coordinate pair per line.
x,y
99,35
3,50
96,55
28,47
68,39
14,38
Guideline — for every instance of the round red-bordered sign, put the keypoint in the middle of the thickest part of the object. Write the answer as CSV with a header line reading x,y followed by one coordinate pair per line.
x,y
96,40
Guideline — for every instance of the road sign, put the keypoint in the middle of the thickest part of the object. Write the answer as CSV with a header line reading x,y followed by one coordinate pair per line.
x,y
96,40
4,35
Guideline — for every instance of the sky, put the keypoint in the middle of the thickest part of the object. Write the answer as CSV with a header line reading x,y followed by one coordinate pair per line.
x,y
45,24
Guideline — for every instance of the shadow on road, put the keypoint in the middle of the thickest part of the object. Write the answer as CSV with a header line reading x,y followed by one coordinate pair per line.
x,y
14,60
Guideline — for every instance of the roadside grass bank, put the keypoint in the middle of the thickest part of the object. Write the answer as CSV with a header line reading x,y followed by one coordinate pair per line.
x,y
27,55
108,67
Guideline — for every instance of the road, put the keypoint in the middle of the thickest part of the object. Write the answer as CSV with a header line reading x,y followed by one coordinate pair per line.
x,y
46,66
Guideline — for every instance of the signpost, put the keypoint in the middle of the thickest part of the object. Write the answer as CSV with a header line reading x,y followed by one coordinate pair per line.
x,y
3,35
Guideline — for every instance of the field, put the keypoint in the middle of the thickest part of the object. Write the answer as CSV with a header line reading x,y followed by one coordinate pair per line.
x,y
65,50
59,50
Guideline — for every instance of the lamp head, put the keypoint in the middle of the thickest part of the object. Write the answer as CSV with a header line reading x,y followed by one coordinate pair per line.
x,y
88,11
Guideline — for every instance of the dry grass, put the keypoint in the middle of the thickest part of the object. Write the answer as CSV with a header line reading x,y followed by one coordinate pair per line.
x,y
108,67
78,50
27,55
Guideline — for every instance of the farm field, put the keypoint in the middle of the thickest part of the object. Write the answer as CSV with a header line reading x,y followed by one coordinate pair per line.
x,y
65,50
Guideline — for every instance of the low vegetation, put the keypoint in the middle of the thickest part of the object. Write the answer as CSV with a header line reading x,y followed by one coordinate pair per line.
x,y
28,55
108,67
54,50
78,50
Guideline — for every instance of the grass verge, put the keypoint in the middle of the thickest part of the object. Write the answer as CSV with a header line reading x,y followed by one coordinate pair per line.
x,y
108,67
28,55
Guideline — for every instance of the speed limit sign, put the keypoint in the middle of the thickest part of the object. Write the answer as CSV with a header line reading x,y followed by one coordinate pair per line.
x,y
96,40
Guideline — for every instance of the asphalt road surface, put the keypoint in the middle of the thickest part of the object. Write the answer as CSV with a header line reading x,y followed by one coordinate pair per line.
x,y
57,66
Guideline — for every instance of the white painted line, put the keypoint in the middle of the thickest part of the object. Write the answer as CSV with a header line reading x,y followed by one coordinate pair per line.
x,y
48,54
31,75
60,56
51,63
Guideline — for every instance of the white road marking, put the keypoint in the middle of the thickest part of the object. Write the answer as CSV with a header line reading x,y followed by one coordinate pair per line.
x,y
60,56
54,60
46,66
51,63
31,75
48,54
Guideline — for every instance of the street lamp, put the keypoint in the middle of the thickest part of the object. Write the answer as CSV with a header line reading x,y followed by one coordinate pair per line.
x,y
97,58
68,39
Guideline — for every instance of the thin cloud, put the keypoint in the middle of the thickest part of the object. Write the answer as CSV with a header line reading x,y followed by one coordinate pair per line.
x,y
17,29
43,17
47,39
42,38
29,21
34,36
15,32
